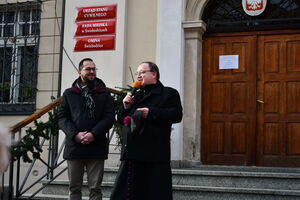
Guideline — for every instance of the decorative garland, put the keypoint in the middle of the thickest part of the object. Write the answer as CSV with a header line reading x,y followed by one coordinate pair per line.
x,y
30,143
118,103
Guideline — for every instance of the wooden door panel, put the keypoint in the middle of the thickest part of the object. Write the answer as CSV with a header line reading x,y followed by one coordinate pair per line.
x,y
293,97
218,91
272,139
272,96
279,87
228,102
217,133
293,130
239,137
238,97
272,53
293,58
236,128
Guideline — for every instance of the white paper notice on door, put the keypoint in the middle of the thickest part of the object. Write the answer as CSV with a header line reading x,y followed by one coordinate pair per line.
x,y
229,62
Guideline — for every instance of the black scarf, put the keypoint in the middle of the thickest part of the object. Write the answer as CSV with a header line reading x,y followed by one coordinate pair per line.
x,y
89,101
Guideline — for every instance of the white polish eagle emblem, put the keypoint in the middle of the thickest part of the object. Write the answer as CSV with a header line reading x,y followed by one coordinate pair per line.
x,y
254,7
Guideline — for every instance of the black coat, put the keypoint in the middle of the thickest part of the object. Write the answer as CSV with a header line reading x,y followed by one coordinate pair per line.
x,y
151,143
73,118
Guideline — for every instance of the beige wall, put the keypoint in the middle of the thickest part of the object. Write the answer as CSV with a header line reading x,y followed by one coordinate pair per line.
x,y
140,34
49,49
49,46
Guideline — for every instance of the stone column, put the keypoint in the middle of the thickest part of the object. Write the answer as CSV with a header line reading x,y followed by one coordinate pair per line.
x,y
193,32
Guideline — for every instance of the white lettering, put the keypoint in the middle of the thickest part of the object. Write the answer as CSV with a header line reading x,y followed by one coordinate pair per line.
x,y
93,15
100,24
96,30
94,40
91,10
86,25
93,46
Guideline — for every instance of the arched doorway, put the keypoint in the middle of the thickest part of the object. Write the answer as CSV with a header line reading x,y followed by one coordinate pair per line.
x,y
251,111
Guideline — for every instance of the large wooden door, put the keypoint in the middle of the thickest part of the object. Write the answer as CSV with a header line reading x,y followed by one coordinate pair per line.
x,y
278,85
251,115
228,102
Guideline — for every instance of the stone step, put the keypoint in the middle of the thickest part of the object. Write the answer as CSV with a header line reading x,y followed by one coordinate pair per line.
x,y
226,193
51,197
182,192
245,177
207,193
215,183
61,188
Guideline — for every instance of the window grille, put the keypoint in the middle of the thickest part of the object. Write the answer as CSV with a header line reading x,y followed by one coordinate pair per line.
x,y
229,16
19,37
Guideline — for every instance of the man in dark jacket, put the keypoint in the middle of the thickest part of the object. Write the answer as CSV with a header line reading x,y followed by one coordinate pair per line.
x,y
86,114
147,116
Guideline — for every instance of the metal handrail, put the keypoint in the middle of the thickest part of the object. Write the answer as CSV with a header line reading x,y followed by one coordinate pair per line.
x,y
52,164
17,127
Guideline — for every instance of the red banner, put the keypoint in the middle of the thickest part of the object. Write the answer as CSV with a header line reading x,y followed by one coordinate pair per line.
x,y
96,28
96,12
104,42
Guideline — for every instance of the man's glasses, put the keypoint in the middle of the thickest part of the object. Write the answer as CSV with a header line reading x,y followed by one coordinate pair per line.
x,y
142,72
90,69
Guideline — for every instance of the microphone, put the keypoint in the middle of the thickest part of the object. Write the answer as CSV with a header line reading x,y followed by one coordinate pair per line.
x,y
135,86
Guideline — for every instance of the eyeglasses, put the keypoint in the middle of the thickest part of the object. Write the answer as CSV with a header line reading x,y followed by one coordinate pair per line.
x,y
142,72
90,69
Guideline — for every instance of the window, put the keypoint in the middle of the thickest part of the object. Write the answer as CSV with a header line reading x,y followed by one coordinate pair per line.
x,y
229,16
19,34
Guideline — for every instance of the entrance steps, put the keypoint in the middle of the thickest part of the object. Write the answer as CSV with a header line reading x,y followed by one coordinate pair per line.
x,y
236,183
212,183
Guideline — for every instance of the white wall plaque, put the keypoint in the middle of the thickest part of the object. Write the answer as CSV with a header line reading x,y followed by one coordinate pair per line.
x,y
229,62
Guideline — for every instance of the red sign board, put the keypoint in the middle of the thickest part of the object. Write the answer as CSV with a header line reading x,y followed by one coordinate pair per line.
x,y
96,28
104,42
96,12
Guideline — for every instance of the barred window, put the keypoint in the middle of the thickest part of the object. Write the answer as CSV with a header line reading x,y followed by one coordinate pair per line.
x,y
19,34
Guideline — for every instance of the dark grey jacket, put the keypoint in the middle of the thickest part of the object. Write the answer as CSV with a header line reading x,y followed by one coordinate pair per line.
x,y
73,118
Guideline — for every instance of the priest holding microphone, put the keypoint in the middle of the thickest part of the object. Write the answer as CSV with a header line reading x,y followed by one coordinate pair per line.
x,y
147,115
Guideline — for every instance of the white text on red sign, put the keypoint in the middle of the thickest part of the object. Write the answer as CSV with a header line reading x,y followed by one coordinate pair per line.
x,y
96,28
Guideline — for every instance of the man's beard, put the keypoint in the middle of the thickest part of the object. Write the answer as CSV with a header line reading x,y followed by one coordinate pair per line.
x,y
87,80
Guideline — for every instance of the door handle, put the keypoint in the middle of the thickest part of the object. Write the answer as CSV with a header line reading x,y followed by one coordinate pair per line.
x,y
259,103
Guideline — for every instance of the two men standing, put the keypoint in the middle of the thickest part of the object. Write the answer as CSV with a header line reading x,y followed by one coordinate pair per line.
x,y
85,115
